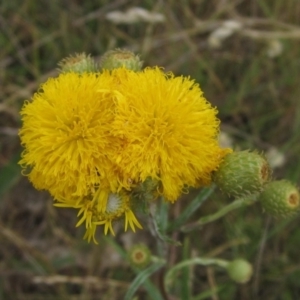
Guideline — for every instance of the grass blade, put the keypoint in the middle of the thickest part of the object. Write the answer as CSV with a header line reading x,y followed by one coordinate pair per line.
x,y
191,208
141,278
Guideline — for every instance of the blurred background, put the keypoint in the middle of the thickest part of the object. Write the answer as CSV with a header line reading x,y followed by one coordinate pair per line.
x,y
245,54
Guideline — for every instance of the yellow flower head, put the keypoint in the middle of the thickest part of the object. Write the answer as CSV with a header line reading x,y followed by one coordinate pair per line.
x,y
67,134
103,208
93,140
168,128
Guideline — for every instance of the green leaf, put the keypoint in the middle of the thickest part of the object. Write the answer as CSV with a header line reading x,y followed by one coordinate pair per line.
x,y
141,278
241,202
9,174
185,280
162,215
191,208
208,294
168,279
152,290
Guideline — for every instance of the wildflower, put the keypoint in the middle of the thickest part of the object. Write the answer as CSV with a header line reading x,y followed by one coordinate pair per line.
x,y
67,136
98,142
169,131
102,208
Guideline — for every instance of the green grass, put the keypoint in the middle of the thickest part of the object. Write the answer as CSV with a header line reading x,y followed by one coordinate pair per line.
x,y
258,102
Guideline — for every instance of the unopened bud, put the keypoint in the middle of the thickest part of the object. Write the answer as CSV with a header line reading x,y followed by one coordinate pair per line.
x,y
240,270
139,256
242,173
280,198
79,63
118,58
146,190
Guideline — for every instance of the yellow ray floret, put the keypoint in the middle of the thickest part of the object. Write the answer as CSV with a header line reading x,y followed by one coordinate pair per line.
x,y
103,208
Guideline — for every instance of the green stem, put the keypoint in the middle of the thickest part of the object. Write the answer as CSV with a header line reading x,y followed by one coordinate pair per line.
x,y
219,214
194,261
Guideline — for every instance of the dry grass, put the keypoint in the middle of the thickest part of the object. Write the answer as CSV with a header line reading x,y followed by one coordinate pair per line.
x,y
42,255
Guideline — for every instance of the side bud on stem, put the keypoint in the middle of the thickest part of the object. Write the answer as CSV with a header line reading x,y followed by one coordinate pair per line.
x,y
139,256
79,63
280,198
118,58
240,270
242,173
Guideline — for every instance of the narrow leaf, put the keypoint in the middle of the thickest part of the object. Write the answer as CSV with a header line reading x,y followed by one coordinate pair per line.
x,y
9,174
191,208
141,278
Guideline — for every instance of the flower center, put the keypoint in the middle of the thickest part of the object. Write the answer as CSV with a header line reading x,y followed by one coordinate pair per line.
x,y
114,203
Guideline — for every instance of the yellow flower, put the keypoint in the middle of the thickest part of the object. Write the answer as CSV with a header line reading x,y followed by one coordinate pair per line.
x,y
93,140
69,147
102,208
169,130
67,134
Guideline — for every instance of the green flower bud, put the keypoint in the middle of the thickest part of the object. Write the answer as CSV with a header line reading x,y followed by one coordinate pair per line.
x,y
139,256
146,190
118,58
79,63
240,270
280,198
242,173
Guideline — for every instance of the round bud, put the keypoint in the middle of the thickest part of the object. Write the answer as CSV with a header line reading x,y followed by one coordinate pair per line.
x,y
242,173
145,191
79,63
118,58
240,270
139,256
280,198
